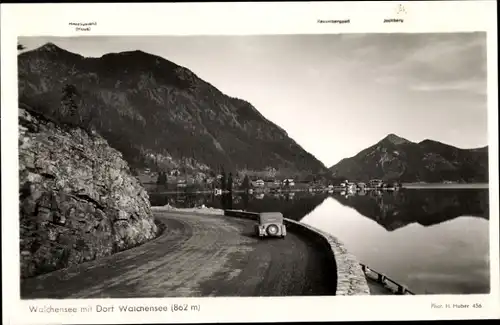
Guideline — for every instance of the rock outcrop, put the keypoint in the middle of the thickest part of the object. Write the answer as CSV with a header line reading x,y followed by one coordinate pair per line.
x,y
78,200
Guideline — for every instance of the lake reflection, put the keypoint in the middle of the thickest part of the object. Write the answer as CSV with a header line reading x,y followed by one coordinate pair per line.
x,y
293,205
434,241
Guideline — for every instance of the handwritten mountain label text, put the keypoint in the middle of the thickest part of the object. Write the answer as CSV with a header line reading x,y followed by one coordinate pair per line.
x,y
334,21
82,27
393,20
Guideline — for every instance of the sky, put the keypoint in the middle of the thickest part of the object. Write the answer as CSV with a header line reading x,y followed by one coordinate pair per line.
x,y
334,94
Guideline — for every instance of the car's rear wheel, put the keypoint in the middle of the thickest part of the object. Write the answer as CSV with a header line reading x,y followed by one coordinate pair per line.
x,y
272,230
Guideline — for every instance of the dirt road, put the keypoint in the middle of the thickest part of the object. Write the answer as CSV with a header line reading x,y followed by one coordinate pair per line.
x,y
196,256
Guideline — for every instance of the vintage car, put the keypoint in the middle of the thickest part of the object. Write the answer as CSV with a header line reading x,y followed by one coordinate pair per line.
x,y
270,224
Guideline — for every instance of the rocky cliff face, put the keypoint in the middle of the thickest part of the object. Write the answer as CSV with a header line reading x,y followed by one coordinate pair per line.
x,y
78,200
395,158
160,114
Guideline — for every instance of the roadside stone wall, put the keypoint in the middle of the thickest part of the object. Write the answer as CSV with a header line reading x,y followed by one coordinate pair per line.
x,y
351,279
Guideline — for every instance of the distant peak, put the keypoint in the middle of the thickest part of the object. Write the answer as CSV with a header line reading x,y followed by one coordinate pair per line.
x,y
392,138
134,52
50,50
50,47
425,141
429,142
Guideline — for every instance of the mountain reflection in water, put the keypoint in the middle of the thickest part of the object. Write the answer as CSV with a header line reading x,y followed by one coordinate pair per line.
x,y
393,210
293,205
433,241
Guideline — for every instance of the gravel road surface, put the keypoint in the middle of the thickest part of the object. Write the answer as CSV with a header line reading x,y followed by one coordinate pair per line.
x,y
196,256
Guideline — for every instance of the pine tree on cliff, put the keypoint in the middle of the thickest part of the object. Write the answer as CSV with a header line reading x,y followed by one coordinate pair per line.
x,y
68,100
230,182
162,178
223,181
246,183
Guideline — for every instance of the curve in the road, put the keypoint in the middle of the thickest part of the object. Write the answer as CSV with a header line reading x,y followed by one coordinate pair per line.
x,y
196,256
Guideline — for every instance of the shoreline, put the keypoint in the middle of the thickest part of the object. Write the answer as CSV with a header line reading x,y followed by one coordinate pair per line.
x,y
451,186
325,189
199,209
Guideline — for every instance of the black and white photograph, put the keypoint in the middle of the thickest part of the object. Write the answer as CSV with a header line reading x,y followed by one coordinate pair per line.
x,y
286,165
168,166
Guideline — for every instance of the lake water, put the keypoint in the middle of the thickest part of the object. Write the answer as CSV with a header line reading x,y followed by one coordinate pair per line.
x,y
433,241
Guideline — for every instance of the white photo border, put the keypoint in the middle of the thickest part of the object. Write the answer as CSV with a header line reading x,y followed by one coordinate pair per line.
x,y
239,19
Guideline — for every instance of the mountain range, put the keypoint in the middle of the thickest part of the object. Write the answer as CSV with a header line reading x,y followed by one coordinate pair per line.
x,y
160,114
397,159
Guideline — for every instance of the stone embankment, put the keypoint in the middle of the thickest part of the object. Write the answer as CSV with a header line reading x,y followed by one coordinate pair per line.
x,y
198,210
350,278
78,199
